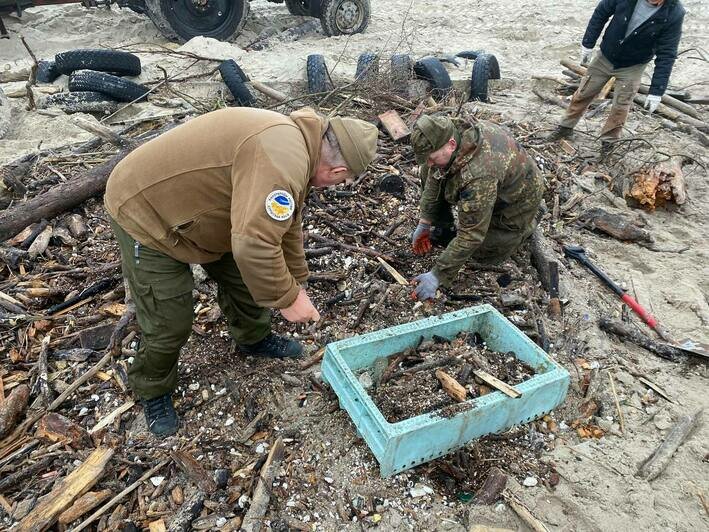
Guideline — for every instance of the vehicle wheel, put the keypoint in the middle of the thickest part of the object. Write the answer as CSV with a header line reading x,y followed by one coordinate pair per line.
x,y
318,77
298,7
80,102
367,66
485,68
5,112
402,69
121,89
47,71
433,71
234,79
180,20
118,63
344,17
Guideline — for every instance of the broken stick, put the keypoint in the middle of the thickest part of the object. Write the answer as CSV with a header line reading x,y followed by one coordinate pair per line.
x,y
12,408
497,383
253,520
451,386
524,514
394,273
656,463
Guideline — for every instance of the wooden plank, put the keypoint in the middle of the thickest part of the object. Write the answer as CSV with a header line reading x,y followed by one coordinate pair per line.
x,y
78,482
393,271
497,383
85,503
110,418
394,125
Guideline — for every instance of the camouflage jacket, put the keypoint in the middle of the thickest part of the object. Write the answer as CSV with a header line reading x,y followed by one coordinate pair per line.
x,y
491,176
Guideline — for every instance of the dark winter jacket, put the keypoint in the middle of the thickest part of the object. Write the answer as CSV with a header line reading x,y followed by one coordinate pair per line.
x,y
658,36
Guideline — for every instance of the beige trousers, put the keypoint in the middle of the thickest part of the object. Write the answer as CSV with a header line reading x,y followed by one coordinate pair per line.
x,y
626,87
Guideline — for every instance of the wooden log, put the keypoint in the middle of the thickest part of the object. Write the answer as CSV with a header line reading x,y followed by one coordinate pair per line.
x,y
194,471
674,114
79,481
665,351
615,225
85,503
63,196
268,91
11,409
451,386
674,102
188,512
253,520
493,487
658,461
26,472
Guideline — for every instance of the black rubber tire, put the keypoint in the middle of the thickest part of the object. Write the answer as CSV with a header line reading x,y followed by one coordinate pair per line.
x,y
318,77
121,89
47,71
402,69
470,54
344,17
80,102
115,62
433,71
367,66
485,68
179,21
234,79
298,7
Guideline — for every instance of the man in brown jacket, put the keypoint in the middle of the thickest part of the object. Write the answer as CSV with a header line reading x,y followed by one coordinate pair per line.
x,y
225,190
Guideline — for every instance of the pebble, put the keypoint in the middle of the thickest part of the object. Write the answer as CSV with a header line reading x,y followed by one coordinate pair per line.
x,y
229,422
530,482
156,480
329,480
261,448
194,386
365,379
419,490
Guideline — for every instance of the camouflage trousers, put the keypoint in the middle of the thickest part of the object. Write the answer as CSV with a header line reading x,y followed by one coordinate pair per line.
x,y
626,87
162,291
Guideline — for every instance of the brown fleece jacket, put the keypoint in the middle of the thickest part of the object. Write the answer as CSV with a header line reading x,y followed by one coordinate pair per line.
x,y
200,191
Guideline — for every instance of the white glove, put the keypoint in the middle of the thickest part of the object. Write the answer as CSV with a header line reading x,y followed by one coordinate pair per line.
x,y
652,102
586,54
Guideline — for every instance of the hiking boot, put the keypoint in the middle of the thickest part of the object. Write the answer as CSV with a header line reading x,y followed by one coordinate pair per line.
x,y
273,346
441,236
559,133
160,416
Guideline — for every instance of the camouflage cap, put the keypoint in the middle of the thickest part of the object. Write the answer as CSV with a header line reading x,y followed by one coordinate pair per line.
x,y
357,140
430,133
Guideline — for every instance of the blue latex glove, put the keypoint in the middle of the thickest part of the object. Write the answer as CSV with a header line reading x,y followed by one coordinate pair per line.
x,y
426,286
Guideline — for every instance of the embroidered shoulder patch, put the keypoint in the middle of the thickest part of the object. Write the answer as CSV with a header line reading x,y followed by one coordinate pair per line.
x,y
280,205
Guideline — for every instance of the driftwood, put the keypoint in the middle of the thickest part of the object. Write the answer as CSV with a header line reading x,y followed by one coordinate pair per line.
x,y
83,504
12,408
253,520
451,386
194,471
79,481
524,514
492,488
661,184
615,225
662,350
26,472
497,384
63,196
542,258
656,463
188,512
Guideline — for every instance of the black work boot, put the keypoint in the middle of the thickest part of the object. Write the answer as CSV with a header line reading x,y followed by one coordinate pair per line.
x,y
160,416
559,133
273,346
441,236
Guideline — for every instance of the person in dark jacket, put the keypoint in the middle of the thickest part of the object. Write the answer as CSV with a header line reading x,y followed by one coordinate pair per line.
x,y
638,31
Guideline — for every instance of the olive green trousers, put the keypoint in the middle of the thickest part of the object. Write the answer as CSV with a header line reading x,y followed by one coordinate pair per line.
x,y
162,291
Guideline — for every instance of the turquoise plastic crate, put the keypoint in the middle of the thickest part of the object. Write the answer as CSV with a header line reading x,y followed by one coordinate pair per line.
x,y
408,443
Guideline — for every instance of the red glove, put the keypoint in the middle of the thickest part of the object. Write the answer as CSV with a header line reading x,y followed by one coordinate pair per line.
x,y
421,239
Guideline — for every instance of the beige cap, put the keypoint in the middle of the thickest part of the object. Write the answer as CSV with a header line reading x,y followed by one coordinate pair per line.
x,y
358,141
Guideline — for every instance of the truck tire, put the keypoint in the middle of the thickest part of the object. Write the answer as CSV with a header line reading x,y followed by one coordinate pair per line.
x,y
298,7
180,20
470,54
115,62
344,17
234,79
485,68
401,69
433,71
121,89
47,71
80,102
318,77
367,66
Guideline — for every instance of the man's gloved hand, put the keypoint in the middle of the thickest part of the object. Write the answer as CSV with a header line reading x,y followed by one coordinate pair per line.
x,y
586,54
302,309
421,239
652,102
426,286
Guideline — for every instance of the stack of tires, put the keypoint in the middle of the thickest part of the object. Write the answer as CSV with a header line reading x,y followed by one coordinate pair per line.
x,y
97,79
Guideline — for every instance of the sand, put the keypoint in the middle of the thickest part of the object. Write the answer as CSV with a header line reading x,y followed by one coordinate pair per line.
x,y
598,490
